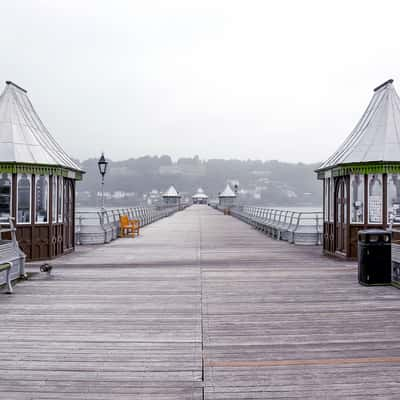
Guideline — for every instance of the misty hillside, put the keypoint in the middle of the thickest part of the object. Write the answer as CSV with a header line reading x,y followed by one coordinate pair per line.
x,y
260,182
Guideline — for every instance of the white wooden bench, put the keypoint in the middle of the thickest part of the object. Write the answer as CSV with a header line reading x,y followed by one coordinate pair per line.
x,y
6,267
12,259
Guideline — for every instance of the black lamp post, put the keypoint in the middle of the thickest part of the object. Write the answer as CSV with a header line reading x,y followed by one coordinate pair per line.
x,y
236,200
102,164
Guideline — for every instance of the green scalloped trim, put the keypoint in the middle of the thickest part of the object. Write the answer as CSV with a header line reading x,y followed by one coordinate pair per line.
x,y
366,168
37,169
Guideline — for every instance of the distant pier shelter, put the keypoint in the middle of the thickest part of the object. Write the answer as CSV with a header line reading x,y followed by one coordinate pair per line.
x,y
227,197
171,197
200,197
37,179
361,180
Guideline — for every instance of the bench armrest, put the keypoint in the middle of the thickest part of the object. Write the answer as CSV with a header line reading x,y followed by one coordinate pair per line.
x,y
5,267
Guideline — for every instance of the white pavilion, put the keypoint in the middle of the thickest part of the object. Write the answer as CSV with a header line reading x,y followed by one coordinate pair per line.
x,y
200,197
171,197
227,197
361,180
37,179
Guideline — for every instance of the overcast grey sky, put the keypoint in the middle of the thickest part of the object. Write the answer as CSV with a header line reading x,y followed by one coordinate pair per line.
x,y
283,80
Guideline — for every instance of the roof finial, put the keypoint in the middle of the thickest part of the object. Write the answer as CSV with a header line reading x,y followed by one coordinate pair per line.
x,y
383,84
15,85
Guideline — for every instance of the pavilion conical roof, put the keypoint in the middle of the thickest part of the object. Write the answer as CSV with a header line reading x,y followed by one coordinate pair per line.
x,y
23,136
228,192
171,192
376,137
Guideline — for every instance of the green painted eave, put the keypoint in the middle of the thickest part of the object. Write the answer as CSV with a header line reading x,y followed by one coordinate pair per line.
x,y
379,167
40,169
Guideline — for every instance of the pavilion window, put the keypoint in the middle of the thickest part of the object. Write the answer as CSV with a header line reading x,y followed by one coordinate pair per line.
x,y
331,203
339,209
326,200
357,199
42,199
54,199
24,198
5,195
393,198
60,199
71,201
345,203
65,202
375,199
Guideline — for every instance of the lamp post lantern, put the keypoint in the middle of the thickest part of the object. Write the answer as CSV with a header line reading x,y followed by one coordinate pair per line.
x,y
102,164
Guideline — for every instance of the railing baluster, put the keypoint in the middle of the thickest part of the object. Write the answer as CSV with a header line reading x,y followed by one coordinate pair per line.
x,y
102,226
298,227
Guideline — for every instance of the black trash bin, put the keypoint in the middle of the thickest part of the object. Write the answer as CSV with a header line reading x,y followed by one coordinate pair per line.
x,y
374,257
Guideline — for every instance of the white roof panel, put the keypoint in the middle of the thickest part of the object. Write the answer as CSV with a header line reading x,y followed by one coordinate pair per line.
x,y
228,192
171,192
23,136
200,194
376,137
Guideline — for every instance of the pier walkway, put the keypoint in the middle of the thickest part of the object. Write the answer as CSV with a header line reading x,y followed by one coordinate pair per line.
x,y
201,306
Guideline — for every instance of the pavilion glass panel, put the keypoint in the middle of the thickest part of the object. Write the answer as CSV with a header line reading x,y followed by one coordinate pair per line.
x,y
331,202
375,199
345,194
5,195
42,199
60,200
54,199
393,198
339,209
357,199
326,200
24,206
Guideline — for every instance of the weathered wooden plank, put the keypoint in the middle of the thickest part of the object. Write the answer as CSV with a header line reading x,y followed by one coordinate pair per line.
x,y
120,321
282,321
199,301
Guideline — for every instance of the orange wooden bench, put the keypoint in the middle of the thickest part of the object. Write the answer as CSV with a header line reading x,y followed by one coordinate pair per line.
x,y
128,227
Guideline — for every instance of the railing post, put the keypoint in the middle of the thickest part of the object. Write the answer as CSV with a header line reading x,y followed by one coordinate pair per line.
x,y
318,233
79,227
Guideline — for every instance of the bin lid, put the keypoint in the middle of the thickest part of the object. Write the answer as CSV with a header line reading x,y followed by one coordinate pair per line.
x,y
378,236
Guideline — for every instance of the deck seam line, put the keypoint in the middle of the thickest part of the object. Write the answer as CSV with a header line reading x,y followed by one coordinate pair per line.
x,y
201,307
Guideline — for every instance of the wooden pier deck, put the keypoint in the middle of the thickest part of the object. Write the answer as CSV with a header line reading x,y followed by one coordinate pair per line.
x,y
201,306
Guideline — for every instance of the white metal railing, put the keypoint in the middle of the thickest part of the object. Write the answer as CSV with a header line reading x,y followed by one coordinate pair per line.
x,y
298,227
102,226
